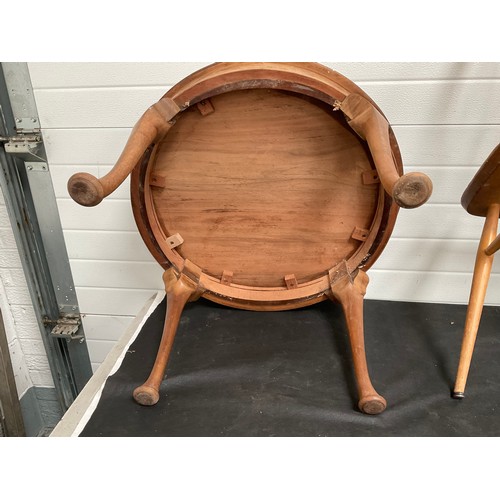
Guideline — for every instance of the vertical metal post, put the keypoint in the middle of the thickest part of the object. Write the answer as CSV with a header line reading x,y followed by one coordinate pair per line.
x,y
10,409
29,196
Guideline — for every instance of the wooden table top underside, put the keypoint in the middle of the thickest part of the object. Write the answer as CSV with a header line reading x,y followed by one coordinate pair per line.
x,y
270,183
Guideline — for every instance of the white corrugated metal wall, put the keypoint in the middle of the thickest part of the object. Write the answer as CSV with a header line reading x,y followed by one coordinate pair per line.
x,y
446,117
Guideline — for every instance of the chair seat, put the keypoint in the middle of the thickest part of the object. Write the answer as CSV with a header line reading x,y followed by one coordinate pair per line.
x,y
484,188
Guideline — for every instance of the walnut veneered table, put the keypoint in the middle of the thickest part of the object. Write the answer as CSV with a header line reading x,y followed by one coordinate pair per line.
x,y
263,186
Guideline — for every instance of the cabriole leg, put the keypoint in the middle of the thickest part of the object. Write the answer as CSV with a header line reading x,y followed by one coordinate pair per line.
x,y
350,293
179,290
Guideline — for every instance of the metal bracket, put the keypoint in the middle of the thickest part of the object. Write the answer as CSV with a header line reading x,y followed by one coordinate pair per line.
x,y
66,328
24,145
27,125
36,166
23,137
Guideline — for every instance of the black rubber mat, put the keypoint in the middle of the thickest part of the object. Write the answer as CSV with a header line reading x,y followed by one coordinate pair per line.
x,y
239,373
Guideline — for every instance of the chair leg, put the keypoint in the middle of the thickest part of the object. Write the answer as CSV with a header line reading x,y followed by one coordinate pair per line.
x,y
482,270
179,291
350,294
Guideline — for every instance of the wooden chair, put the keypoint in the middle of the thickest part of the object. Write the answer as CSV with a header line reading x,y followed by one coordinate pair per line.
x,y
481,198
263,186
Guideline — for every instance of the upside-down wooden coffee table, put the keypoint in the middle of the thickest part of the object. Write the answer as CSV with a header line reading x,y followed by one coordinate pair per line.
x,y
263,186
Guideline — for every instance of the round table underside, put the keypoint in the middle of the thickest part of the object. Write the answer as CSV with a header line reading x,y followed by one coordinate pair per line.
x,y
269,184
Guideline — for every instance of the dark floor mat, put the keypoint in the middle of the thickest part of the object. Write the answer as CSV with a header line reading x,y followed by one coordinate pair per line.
x,y
240,373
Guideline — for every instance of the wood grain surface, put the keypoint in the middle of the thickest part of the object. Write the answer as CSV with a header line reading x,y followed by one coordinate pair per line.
x,y
484,188
267,185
